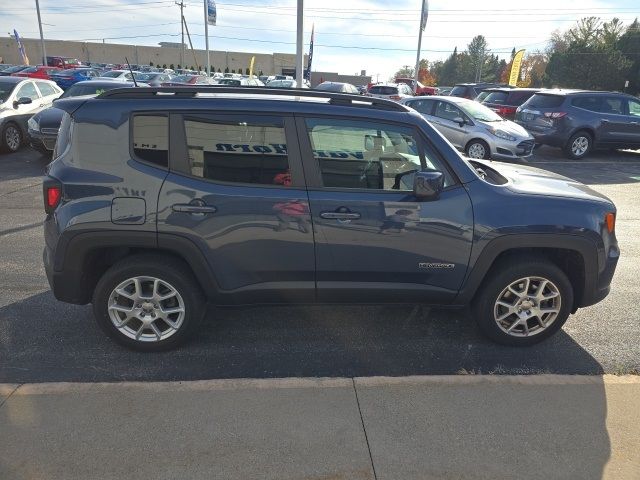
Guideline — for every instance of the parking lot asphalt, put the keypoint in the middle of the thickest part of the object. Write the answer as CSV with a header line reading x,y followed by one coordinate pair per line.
x,y
43,340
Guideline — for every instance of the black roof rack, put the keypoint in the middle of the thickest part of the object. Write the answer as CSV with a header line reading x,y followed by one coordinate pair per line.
x,y
192,91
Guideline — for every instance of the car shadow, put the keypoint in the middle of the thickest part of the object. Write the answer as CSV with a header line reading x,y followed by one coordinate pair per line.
x,y
25,163
42,340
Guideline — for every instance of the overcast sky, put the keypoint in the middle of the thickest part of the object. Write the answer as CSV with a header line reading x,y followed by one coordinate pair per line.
x,y
378,36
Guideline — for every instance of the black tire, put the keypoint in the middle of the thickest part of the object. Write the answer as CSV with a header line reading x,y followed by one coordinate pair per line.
x,y
167,269
505,274
4,146
583,137
475,142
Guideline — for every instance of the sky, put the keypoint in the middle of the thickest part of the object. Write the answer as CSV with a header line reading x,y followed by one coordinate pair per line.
x,y
379,36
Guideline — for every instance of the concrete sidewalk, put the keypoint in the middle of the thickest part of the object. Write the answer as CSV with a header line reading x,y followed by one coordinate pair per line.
x,y
494,427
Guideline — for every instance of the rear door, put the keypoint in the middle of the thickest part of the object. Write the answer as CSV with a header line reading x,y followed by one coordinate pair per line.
x,y
375,241
236,191
49,93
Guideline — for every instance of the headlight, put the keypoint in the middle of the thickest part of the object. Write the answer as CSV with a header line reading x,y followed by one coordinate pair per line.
x,y
33,124
502,134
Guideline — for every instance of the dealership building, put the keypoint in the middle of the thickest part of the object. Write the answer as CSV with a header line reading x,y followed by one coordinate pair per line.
x,y
165,54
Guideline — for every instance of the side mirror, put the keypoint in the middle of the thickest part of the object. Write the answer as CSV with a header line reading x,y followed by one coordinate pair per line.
x,y
460,121
22,101
428,185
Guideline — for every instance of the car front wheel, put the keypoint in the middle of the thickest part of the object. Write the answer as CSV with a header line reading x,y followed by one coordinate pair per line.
x,y
148,303
524,303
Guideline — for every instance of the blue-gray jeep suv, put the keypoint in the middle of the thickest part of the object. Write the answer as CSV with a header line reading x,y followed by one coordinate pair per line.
x,y
160,200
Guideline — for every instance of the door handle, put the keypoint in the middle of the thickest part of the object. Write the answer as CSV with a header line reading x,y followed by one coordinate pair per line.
x,y
604,120
340,215
194,206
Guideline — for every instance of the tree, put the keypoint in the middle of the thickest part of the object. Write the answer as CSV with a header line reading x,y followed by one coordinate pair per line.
x,y
219,70
179,67
226,70
629,45
171,67
449,71
477,51
191,68
164,66
405,72
233,70
150,64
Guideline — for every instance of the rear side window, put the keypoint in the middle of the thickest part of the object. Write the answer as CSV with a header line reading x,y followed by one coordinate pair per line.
x,y
151,139
593,104
496,97
46,89
383,90
542,100
458,91
246,151
422,106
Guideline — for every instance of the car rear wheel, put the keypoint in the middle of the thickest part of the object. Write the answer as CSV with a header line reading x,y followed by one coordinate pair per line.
x,y
524,303
579,145
11,138
148,303
478,149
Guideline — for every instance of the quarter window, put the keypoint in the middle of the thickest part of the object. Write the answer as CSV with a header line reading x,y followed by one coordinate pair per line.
x,y
367,155
238,151
151,139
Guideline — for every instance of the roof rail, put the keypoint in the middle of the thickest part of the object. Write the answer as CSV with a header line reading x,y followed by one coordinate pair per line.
x,y
192,91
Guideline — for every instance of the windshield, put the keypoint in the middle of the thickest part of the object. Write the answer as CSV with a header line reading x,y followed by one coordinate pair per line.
x,y
480,112
5,91
144,77
112,74
379,90
182,78
89,89
281,84
230,81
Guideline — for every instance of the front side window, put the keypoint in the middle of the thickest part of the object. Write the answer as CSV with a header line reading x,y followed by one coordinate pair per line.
x,y
151,139
634,108
28,90
448,111
367,155
244,151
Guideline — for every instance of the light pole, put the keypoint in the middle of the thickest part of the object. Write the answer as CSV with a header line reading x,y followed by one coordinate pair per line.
x,y
44,50
299,55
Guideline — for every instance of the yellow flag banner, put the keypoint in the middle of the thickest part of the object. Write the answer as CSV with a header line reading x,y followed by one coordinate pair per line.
x,y
253,59
515,68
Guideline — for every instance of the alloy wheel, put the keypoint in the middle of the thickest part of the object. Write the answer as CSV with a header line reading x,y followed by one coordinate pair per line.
x,y
580,146
12,138
527,306
146,309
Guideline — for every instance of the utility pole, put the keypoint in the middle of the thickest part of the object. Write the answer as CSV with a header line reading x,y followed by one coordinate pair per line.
x,y
423,24
299,54
44,50
181,5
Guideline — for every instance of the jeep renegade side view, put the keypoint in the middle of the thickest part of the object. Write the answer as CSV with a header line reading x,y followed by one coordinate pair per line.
x,y
160,200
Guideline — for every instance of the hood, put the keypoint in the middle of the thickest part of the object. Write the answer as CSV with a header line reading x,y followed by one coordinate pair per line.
x,y
535,181
50,117
512,128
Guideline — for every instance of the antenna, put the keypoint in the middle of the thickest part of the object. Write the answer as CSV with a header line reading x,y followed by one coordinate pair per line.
x,y
131,71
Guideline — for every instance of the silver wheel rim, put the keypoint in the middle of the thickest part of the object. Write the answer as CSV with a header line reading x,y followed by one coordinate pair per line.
x,y
580,146
146,309
476,150
12,138
527,307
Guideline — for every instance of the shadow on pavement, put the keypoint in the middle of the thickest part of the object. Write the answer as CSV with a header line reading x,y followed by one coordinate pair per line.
x,y
24,163
42,340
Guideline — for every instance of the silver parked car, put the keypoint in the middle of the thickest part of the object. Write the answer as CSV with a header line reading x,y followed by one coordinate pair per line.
x,y
474,128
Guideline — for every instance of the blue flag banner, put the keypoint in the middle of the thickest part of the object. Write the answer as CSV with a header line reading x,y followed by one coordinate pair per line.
x,y
23,54
425,14
307,73
212,12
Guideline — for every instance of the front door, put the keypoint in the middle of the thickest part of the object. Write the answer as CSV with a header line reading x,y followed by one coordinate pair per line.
x,y
24,112
375,241
444,120
236,190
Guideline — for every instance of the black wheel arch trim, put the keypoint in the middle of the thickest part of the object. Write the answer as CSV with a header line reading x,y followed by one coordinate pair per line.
x,y
585,246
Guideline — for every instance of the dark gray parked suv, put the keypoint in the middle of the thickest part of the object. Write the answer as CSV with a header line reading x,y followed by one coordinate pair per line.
x,y
160,200
579,121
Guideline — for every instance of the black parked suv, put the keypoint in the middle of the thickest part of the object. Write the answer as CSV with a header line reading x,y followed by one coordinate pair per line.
x,y
160,200
469,90
579,121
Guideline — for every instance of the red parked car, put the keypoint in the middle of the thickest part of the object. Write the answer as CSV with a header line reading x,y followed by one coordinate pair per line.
x,y
182,80
505,101
39,71
421,89
63,62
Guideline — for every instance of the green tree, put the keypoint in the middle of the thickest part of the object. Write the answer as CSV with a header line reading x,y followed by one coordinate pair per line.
x,y
478,51
179,67
219,71
448,74
171,67
164,66
150,64
226,70
629,45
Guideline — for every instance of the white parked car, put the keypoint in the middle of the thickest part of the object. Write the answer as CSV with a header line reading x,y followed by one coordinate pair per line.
x,y
474,128
391,91
20,99
119,75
